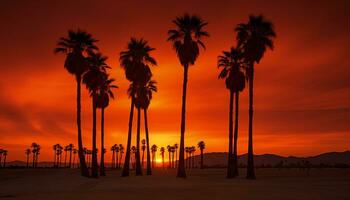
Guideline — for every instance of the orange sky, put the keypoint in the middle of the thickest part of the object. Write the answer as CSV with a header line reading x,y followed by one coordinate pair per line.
x,y
302,89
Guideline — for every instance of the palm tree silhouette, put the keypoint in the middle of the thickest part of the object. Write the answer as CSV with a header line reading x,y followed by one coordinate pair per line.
x,y
70,148
65,155
186,39
133,157
4,153
55,149
143,148
144,96
36,151
75,151
135,62
253,37
176,146
201,146
113,149
27,152
59,155
74,46
162,150
93,79
169,152
116,160
104,94
231,64
121,152
154,151
187,151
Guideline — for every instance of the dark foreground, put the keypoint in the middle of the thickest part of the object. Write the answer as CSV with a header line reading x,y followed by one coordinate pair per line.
x,y
201,184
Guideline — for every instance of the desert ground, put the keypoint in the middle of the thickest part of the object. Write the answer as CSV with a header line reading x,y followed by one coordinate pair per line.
x,y
200,184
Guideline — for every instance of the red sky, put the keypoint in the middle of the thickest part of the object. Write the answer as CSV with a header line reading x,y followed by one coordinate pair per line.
x,y
302,88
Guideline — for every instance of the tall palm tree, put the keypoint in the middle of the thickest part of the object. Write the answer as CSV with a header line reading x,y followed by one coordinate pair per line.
x,y
93,79
59,152
143,148
116,159
145,94
201,146
162,150
135,62
231,64
27,152
186,39
104,94
74,46
254,38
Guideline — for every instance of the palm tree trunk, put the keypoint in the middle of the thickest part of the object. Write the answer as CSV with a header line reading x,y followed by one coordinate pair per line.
x,y
128,146
149,169
116,160
169,160
230,138
181,171
113,159
102,167
202,159
33,160
65,158
137,155
54,159
94,165
235,137
70,158
27,160
83,167
250,166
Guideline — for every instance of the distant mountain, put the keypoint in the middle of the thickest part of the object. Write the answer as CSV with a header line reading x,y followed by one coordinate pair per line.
x,y
219,159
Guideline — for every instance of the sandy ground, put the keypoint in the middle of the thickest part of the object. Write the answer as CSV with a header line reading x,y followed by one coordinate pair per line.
x,y
200,184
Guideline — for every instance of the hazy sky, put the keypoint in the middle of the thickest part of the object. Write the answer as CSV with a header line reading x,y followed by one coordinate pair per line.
x,y
302,88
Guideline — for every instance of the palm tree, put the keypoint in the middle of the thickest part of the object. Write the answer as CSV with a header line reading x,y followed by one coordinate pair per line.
x,y
176,146
154,151
59,155
201,146
55,149
35,150
145,94
143,148
231,64
169,152
162,150
113,148
4,153
65,155
133,158
70,148
193,149
121,152
104,94
93,79
75,151
135,61
116,159
74,46
254,38
186,39
27,152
